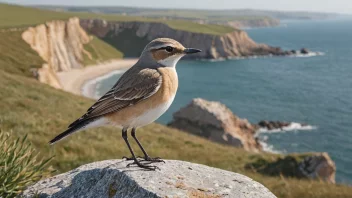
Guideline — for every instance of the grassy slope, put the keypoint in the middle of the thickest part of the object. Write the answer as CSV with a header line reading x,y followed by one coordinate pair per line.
x,y
29,107
100,51
11,15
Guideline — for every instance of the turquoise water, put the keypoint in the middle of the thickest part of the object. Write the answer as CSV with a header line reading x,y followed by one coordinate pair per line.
x,y
314,90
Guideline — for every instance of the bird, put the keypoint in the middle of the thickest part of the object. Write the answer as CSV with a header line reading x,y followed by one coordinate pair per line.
x,y
139,97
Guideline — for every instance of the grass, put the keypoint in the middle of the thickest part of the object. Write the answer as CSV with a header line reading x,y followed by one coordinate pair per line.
x,y
19,165
100,51
19,16
29,107
16,56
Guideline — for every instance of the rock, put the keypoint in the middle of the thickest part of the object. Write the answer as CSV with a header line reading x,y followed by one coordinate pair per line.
x,y
270,125
313,166
319,166
293,51
111,178
216,122
130,38
60,45
304,51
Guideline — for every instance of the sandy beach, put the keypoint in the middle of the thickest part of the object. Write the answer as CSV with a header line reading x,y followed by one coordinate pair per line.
x,y
83,81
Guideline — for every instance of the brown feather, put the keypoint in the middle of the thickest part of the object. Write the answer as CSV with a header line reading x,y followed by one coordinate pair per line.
x,y
134,85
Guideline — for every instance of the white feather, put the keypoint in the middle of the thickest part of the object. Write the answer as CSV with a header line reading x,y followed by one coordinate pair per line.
x,y
96,123
151,115
171,61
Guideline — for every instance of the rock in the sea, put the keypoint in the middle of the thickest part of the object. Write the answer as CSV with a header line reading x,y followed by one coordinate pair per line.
x,y
216,122
270,125
111,179
304,51
318,166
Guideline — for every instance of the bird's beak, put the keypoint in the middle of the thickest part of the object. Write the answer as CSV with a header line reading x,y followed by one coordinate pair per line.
x,y
191,50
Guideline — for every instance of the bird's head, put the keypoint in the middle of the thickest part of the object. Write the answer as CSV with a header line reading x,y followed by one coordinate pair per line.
x,y
165,52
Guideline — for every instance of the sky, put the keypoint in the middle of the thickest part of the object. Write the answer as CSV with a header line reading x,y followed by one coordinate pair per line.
x,y
338,6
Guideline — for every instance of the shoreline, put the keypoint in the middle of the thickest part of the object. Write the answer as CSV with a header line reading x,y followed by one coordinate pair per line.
x,y
83,81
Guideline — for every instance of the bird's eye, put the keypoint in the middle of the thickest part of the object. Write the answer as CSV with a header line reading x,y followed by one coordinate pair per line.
x,y
169,49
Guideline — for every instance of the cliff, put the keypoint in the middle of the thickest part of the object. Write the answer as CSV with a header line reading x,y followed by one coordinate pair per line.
x,y
111,178
216,122
60,45
131,37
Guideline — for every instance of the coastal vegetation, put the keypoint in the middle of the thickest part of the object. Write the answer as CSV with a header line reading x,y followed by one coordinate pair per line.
x,y
19,166
39,112
33,16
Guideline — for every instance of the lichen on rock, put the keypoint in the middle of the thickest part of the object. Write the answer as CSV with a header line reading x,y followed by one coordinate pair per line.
x,y
111,178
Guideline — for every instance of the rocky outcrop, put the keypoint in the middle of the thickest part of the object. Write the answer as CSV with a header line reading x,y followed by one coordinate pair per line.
x,y
60,45
318,166
311,166
131,37
111,178
216,122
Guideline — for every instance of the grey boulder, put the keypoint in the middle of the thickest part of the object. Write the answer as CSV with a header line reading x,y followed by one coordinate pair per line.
x,y
111,178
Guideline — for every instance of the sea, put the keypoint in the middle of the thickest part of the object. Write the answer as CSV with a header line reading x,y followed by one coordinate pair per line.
x,y
315,89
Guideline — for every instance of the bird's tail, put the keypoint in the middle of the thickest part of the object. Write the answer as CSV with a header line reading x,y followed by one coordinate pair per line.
x,y
75,128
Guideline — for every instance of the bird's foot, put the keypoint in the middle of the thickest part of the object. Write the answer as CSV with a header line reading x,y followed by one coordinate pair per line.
x,y
145,166
153,159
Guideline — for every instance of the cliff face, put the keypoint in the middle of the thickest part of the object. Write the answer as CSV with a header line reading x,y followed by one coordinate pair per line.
x,y
216,122
131,37
60,44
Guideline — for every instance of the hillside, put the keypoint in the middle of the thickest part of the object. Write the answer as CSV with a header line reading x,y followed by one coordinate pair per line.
x,y
73,42
31,16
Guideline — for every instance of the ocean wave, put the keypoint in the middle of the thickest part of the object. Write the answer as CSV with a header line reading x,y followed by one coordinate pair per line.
x,y
293,126
268,147
309,54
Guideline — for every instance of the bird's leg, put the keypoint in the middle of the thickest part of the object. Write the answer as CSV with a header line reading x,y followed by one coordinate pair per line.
x,y
124,136
146,156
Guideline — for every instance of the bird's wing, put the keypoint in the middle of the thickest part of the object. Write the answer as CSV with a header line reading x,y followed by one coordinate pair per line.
x,y
135,85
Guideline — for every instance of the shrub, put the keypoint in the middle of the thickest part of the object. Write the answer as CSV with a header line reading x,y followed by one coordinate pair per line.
x,y
19,165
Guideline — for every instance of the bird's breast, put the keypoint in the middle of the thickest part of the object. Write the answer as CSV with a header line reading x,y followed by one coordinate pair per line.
x,y
151,108
169,84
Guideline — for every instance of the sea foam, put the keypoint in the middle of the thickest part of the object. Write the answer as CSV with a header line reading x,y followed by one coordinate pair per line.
x,y
293,126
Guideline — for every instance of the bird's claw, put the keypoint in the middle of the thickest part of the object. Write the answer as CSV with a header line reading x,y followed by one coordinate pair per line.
x,y
153,168
153,159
